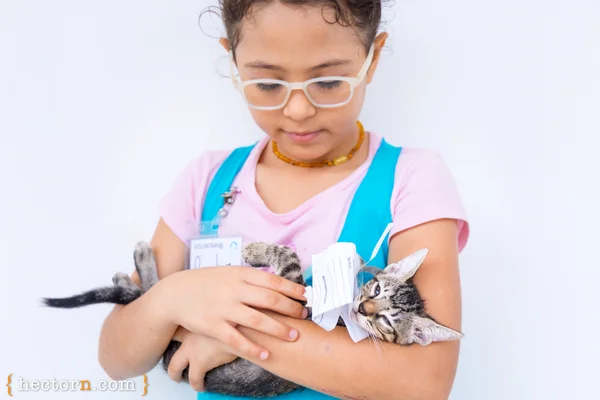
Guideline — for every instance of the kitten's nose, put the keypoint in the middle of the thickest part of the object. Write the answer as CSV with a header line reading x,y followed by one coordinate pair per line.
x,y
367,308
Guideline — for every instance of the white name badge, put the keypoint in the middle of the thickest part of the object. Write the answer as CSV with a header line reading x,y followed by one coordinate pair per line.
x,y
215,251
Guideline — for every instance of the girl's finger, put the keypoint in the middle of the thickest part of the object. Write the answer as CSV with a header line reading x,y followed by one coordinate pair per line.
x,y
271,300
178,363
238,343
274,282
261,322
196,377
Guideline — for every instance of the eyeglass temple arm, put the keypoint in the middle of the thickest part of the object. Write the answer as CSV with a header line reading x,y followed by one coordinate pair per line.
x,y
235,82
367,64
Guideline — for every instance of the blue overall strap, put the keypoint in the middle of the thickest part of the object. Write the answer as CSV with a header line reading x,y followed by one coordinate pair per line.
x,y
222,182
370,211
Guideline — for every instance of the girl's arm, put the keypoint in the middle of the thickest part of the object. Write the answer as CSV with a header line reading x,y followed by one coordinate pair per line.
x,y
134,337
209,301
330,362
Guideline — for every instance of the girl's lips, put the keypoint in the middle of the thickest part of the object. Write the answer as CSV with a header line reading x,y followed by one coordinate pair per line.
x,y
303,137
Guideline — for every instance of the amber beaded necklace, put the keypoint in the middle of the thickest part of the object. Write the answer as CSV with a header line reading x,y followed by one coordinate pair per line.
x,y
324,163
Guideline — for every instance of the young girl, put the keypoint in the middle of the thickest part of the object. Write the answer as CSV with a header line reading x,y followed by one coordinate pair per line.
x,y
303,71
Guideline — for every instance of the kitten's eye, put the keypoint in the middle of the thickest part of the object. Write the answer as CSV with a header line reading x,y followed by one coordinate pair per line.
x,y
377,290
385,320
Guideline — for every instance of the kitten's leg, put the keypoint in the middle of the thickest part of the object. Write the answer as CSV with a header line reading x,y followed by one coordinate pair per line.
x,y
145,265
122,279
168,355
282,258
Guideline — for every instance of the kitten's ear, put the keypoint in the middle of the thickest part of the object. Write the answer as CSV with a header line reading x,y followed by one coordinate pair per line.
x,y
408,266
426,331
371,270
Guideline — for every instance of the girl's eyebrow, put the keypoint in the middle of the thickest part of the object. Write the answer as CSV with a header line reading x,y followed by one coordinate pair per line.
x,y
258,64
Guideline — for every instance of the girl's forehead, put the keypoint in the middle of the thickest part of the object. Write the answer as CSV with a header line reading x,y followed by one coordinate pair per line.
x,y
283,34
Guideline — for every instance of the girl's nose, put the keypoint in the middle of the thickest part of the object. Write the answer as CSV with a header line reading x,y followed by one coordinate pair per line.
x,y
298,106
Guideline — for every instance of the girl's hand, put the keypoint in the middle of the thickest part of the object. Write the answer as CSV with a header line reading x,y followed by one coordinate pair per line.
x,y
200,353
213,301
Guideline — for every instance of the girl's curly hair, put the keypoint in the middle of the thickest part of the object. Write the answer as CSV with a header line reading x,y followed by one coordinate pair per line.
x,y
364,15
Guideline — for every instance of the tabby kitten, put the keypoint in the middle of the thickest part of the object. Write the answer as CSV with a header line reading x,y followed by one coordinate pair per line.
x,y
389,308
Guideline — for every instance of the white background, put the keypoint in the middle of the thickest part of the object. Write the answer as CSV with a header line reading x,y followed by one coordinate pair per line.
x,y
103,103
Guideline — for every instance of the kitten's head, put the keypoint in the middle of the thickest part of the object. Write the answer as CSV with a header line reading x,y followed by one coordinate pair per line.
x,y
390,308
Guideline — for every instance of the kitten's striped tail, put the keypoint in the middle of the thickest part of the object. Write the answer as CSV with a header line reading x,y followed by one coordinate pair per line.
x,y
112,294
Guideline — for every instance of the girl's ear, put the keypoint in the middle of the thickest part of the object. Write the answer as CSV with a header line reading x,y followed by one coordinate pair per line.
x,y
225,43
379,43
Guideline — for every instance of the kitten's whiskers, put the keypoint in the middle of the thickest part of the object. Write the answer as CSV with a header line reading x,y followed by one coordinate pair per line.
x,y
374,340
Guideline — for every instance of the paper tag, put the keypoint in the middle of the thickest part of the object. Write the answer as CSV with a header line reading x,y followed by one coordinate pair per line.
x,y
215,251
334,271
334,288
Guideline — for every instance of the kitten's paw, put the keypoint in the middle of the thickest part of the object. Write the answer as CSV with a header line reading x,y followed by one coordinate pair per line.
x,y
122,279
143,254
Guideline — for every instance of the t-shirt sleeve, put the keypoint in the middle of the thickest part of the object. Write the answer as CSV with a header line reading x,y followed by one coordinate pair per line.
x,y
425,190
181,207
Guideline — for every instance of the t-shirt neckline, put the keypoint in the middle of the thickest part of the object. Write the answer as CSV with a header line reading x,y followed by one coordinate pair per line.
x,y
247,183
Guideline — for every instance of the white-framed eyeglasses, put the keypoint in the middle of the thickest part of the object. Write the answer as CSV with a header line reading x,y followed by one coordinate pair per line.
x,y
323,92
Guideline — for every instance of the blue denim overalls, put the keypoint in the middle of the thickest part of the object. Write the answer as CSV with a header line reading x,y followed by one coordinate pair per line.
x,y
368,216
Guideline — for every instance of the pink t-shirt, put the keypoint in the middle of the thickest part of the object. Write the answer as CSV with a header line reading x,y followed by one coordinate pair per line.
x,y
424,191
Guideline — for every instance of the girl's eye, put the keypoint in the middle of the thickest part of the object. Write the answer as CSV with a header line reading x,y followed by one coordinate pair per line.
x,y
265,87
329,85
377,290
